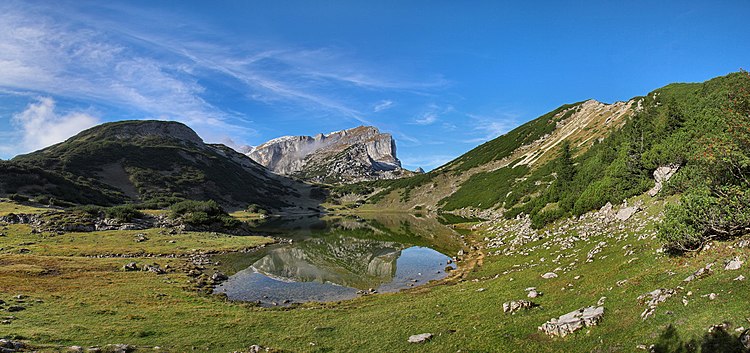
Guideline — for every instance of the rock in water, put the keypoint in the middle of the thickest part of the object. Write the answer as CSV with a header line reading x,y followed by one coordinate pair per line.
x,y
573,321
420,338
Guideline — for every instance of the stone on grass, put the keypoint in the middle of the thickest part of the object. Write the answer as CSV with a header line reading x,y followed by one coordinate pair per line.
x,y
549,275
515,305
420,338
745,339
573,321
130,266
700,273
733,264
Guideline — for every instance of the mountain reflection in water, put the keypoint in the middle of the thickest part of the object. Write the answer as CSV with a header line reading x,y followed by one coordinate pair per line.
x,y
335,258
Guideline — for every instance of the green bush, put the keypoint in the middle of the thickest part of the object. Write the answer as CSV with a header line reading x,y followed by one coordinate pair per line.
x,y
199,213
123,213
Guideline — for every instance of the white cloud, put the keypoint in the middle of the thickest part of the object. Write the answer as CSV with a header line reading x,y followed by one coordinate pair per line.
x,y
426,118
382,105
426,162
489,128
41,126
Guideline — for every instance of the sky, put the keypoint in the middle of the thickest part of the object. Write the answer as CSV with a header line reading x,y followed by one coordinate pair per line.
x,y
441,76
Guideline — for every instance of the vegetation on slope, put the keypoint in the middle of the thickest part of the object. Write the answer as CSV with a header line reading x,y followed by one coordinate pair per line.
x,y
162,162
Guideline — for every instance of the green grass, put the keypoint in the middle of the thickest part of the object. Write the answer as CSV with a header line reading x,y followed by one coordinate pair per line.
x,y
122,242
88,301
7,207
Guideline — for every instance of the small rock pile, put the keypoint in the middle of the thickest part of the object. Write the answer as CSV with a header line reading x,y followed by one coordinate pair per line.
x,y
573,321
516,305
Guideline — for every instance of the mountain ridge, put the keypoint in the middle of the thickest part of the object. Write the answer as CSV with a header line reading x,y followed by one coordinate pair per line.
x,y
360,153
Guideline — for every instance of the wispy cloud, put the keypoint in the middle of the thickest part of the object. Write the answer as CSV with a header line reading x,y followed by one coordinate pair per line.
x,y
432,114
66,54
42,126
426,118
382,105
426,162
489,127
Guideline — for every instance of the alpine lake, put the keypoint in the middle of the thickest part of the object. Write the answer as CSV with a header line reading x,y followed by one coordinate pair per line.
x,y
337,258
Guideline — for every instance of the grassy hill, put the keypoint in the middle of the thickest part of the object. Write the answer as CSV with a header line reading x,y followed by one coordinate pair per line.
x,y
149,162
613,151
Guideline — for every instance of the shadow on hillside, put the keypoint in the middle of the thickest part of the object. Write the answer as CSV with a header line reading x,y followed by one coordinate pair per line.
x,y
717,341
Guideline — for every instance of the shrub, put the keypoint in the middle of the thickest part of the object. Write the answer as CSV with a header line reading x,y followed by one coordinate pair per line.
x,y
123,213
198,213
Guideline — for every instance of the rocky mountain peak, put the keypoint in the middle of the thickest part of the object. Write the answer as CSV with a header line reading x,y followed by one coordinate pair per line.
x,y
361,153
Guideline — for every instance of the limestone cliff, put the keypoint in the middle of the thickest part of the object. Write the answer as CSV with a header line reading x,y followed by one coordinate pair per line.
x,y
361,153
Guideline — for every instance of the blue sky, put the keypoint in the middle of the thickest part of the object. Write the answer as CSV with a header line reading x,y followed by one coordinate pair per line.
x,y
441,76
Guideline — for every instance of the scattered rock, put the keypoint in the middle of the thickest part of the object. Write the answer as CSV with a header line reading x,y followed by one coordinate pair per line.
x,y
15,308
549,275
654,298
420,338
740,278
130,266
140,238
75,349
155,268
11,346
119,348
573,321
533,294
745,339
601,301
734,264
515,305
700,273
218,277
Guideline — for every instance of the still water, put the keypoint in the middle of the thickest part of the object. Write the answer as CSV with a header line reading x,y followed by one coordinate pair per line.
x,y
338,258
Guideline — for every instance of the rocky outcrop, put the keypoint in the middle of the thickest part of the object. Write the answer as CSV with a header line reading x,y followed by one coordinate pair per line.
x,y
573,321
661,175
362,153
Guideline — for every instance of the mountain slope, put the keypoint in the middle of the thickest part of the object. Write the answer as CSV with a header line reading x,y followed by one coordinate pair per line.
x,y
613,151
160,161
361,153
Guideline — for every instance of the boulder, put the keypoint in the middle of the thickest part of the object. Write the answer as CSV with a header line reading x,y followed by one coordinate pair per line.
x,y
745,339
734,264
626,212
155,268
573,321
420,338
549,275
661,175
516,305
130,266
700,273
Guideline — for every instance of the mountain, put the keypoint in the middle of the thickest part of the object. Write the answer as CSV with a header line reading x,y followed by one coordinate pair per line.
x,y
151,162
581,156
361,153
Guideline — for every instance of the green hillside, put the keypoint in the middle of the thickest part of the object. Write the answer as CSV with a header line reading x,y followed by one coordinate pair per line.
x,y
150,162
